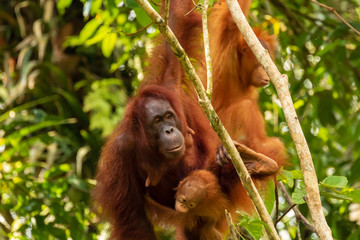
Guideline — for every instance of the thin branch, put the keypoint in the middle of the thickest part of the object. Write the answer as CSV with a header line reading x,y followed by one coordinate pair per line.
x,y
167,7
155,3
214,119
331,9
141,29
284,214
209,76
280,82
196,6
298,214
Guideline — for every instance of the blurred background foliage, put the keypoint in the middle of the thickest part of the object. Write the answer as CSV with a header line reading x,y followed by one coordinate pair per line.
x,y
68,68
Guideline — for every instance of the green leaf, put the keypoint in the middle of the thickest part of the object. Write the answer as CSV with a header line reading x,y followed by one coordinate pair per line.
x,y
335,182
112,8
99,35
325,108
131,4
255,229
355,169
27,106
89,29
355,195
62,5
286,176
297,174
142,17
330,47
57,170
78,184
267,193
95,6
16,137
74,104
336,195
108,44
253,225
299,193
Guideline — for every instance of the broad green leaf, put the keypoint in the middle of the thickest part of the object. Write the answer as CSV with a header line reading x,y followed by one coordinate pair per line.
x,y
255,229
253,225
335,182
267,193
95,6
355,195
286,176
108,44
336,195
325,108
297,174
355,169
131,4
99,35
89,29
142,17
299,193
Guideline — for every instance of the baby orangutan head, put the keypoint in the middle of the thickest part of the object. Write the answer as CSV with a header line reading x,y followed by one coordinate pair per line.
x,y
190,193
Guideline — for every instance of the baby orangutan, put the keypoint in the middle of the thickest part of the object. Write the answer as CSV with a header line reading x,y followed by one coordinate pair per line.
x,y
200,208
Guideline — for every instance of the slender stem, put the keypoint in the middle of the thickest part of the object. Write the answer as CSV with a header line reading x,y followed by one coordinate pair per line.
x,y
214,119
296,210
331,9
155,3
284,214
167,7
141,29
281,84
209,84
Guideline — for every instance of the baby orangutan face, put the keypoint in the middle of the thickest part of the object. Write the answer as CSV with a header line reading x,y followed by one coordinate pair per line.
x,y
190,194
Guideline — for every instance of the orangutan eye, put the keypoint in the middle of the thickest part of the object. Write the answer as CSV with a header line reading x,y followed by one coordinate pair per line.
x,y
191,205
182,200
168,115
157,120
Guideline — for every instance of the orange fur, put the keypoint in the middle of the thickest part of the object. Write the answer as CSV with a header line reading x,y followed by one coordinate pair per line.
x,y
205,221
235,95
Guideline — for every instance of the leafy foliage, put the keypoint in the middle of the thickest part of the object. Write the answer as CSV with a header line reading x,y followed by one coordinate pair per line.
x,y
68,68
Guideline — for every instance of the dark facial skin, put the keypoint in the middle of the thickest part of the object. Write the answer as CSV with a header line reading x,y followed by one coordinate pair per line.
x,y
162,129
